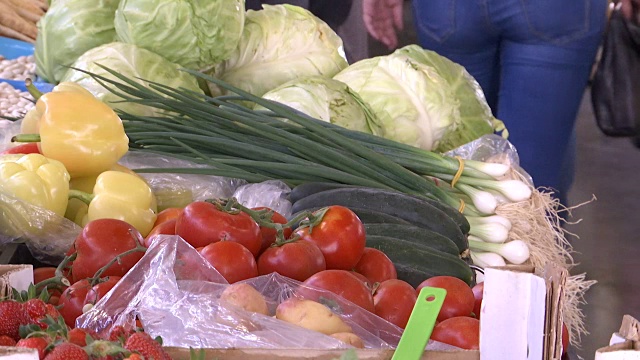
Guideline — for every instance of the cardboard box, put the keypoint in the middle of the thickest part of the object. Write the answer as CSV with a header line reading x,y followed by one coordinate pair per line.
x,y
310,354
629,348
14,353
15,276
521,315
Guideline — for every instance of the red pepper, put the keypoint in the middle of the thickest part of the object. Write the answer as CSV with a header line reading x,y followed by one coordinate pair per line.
x,y
26,148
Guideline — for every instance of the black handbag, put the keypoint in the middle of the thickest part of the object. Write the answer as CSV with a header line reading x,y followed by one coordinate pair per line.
x,y
615,88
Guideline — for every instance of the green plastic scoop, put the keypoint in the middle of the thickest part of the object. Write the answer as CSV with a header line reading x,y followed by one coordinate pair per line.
x,y
421,322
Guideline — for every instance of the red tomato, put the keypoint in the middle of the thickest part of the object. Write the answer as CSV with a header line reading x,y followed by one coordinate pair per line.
x,y
269,234
201,224
171,213
340,236
460,331
345,284
26,148
101,241
232,260
394,301
477,295
459,300
362,278
296,259
45,273
167,227
98,291
376,266
72,300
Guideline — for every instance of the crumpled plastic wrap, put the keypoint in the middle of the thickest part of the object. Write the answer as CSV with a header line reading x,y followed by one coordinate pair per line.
x,y
8,129
492,148
178,190
272,194
175,293
47,235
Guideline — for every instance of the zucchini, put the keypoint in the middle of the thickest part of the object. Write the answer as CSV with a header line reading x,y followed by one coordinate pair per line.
x,y
369,216
410,208
416,263
415,235
301,191
310,188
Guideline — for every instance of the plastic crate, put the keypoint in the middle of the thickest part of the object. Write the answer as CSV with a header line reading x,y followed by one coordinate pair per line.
x,y
11,49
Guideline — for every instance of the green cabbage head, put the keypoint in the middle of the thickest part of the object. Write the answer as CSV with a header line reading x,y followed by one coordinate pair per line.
x,y
193,33
67,30
132,62
281,43
422,99
328,100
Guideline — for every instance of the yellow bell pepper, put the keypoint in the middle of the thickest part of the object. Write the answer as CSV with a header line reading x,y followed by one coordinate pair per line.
x,y
77,209
36,180
122,196
30,121
77,129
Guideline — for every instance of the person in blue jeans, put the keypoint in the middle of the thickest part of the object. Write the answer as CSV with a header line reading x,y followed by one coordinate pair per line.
x,y
532,59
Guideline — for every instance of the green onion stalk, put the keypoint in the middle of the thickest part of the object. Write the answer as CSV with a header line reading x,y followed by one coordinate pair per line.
x,y
256,145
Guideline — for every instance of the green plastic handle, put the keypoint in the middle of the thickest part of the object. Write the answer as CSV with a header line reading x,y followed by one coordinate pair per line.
x,y
421,322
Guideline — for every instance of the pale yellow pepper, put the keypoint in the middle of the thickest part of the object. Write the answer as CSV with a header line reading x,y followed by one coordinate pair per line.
x,y
36,180
122,196
77,209
77,129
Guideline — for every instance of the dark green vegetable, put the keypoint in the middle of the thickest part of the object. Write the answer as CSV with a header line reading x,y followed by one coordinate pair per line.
x,y
416,263
413,234
369,216
307,189
412,209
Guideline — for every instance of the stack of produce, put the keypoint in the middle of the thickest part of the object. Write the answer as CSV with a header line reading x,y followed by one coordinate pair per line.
x,y
268,95
18,18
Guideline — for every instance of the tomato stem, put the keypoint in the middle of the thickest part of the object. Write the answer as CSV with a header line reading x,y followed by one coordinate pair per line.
x,y
63,265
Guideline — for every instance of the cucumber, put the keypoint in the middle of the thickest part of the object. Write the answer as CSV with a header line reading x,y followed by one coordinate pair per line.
x,y
307,189
310,188
370,216
416,263
412,209
413,234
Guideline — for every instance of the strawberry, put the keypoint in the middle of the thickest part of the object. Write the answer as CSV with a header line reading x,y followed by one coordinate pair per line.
x,y
12,315
143,344
37,343
37,310
7,341
78,336
134,357
67,351
119,334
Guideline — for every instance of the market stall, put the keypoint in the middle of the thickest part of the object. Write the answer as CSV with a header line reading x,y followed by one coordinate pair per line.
x,y
236,189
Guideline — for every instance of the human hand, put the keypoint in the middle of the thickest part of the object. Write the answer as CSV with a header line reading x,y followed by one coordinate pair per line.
x,y
382,18
629,8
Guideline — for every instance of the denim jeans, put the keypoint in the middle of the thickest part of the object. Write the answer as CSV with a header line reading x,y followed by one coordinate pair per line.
x,y
532,59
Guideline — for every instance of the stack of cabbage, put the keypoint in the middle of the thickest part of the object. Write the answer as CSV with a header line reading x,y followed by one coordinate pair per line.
x,y
154,39
281,52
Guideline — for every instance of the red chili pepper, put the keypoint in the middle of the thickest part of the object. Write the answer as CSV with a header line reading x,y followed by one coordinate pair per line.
x,y
26,148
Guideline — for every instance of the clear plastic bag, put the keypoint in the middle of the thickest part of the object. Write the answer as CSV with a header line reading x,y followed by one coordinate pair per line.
x,y
178,190
175,293
272,194
494,149
47,235
8,129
